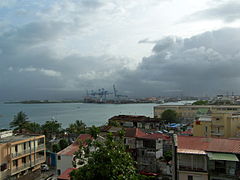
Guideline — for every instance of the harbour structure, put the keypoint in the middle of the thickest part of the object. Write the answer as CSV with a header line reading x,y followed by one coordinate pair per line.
x,y
104,96
20,154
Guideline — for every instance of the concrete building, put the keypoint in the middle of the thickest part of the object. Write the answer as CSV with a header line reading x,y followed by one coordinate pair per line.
x,y
150,149
142,122
189,112
20,154
65,157
203,158
225,125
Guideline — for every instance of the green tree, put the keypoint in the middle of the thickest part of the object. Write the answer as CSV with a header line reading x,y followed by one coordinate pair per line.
x,y
56,148
94,131
169,116
167,156
63,144
33,127
19,122
51,128
200,102
109,161
77,128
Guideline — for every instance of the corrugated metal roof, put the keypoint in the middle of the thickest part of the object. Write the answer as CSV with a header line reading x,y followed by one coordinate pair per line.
x,y
191,151
222,156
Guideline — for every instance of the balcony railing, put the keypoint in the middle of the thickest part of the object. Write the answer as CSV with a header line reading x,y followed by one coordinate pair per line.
x,y
20,168
4,174
26,151
39,160
39,147
189,168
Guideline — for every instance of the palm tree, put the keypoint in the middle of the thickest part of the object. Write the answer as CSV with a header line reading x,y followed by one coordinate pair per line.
x,y
33,127
94,131
77,128
19,122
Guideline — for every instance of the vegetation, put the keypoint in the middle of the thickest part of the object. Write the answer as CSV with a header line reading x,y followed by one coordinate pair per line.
x,y
63,144
94,131
76,128
169,116
200,102
167,156
109,161
19,122
33,127
51,128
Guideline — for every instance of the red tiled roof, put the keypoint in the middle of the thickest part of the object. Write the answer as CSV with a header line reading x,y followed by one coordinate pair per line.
x,y
71,149
187,132
134,132
155,136
65,174
209,144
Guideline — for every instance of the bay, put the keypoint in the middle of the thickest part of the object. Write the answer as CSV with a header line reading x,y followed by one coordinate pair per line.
x,y
66,113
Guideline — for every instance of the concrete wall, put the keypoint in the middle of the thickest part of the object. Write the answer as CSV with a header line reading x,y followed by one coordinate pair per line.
x,y
64,163
183,175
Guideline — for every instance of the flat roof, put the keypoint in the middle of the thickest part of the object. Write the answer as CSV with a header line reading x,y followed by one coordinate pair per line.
x,y
16,138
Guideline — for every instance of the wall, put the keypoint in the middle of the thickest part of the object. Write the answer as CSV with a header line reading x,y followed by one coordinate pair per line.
x,y
183,175
64,163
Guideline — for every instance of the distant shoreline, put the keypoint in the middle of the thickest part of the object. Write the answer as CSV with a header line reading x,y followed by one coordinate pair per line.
x,y
74,101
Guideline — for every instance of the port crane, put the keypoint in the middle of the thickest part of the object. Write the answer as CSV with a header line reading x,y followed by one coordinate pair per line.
x,y
101,95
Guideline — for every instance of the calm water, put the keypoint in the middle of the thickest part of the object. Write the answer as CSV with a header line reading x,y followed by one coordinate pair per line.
x,y
91,114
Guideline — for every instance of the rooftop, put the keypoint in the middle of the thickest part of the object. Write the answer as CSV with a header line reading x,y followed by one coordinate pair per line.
x,y
132,118
65,174
134,132
71,149
16,138
156,136
209,144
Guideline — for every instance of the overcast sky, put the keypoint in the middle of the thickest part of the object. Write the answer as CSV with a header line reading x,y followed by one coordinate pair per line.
x,y
58,49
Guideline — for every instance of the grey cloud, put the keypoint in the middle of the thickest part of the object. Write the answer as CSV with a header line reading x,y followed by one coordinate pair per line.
x,y
205,63
228,11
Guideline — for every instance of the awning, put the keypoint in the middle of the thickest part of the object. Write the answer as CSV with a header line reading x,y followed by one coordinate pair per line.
x,y
222,156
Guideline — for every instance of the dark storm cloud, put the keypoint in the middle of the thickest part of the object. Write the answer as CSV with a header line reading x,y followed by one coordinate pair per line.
x,y
30,69
204,64
227,11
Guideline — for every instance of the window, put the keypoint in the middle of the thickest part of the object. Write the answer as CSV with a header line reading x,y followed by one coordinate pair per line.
x,y
3,167
15,163
16,148
59,157
59,171
24,146
24,160
190,177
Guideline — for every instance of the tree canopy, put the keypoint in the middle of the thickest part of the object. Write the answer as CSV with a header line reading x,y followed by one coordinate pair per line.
x,y
169,116
19,122
200,102
51,128
109,161
78,127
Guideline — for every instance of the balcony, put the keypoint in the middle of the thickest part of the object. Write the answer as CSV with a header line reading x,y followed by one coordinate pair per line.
x,y
189,168
20,168
39,160
40,147
17,154
217,133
